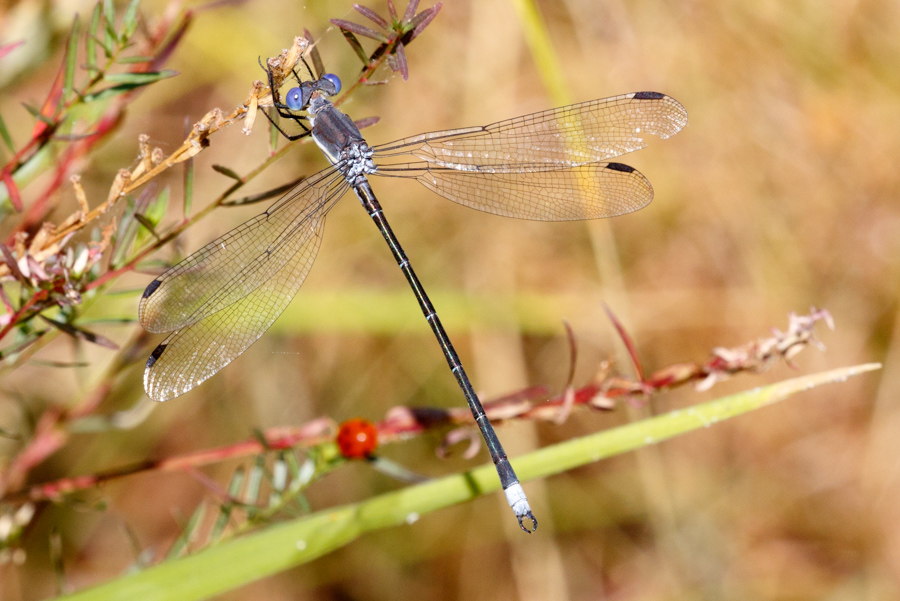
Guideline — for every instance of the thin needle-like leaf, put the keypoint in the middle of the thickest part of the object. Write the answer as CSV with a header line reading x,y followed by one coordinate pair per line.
x,y
81,334
226,171
372,15
91,42
4,133
188,186
362,30
37,114
314,54
12,190
148,225
71,61
189,529
410,10
254,483
357,47
628,342
13,266
132,60
253,198
400,60
139,78
421,20
129,23
106,43
234,489
109,15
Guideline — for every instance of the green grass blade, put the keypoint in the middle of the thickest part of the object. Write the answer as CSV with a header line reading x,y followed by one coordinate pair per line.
x,y
541,47
243,560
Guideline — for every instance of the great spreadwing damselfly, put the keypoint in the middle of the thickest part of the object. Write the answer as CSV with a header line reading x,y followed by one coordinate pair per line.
x,y
548,166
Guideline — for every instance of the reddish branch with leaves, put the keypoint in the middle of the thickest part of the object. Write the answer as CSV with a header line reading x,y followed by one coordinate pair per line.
x,y
534,404
49,270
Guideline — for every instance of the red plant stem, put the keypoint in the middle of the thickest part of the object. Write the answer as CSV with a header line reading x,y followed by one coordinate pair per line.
x,y
38,296
276,439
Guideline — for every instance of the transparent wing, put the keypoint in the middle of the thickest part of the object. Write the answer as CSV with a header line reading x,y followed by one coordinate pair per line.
x,y
192,354
537,191
237,263
588,132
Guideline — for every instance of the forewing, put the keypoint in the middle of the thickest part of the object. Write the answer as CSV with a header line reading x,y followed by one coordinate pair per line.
x,y
539,192
194,353
237,263
588,132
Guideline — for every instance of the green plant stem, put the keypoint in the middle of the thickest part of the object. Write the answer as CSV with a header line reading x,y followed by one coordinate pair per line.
x,y
243,560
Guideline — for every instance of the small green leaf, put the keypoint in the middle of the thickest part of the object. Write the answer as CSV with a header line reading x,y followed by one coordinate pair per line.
x,y
15,199
227,172
26,339
109,13
357,47
366,32
132,81
110,92
234,489
91,42
109,41
71,61
418,23
129,24
4,133
138,223
37,114
146,223
124,236
254,484
318,65
139,78
105,44
188,533
60,364
80,333
274,134
149,217
188,185
156,209
253,198
130,60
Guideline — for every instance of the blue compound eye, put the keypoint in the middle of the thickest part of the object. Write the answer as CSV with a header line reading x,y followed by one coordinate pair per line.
x,y
335,82
295,100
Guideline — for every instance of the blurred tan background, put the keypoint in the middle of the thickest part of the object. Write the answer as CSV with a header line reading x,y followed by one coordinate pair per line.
x,y
780,194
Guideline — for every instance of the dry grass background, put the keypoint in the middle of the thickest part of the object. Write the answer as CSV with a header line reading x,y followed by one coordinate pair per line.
x,y
780,194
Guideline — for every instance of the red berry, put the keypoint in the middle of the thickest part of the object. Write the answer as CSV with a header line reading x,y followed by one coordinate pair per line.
x,y
357,438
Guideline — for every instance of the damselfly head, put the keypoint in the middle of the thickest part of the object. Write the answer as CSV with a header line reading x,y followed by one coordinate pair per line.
x,y
330,84
297,98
